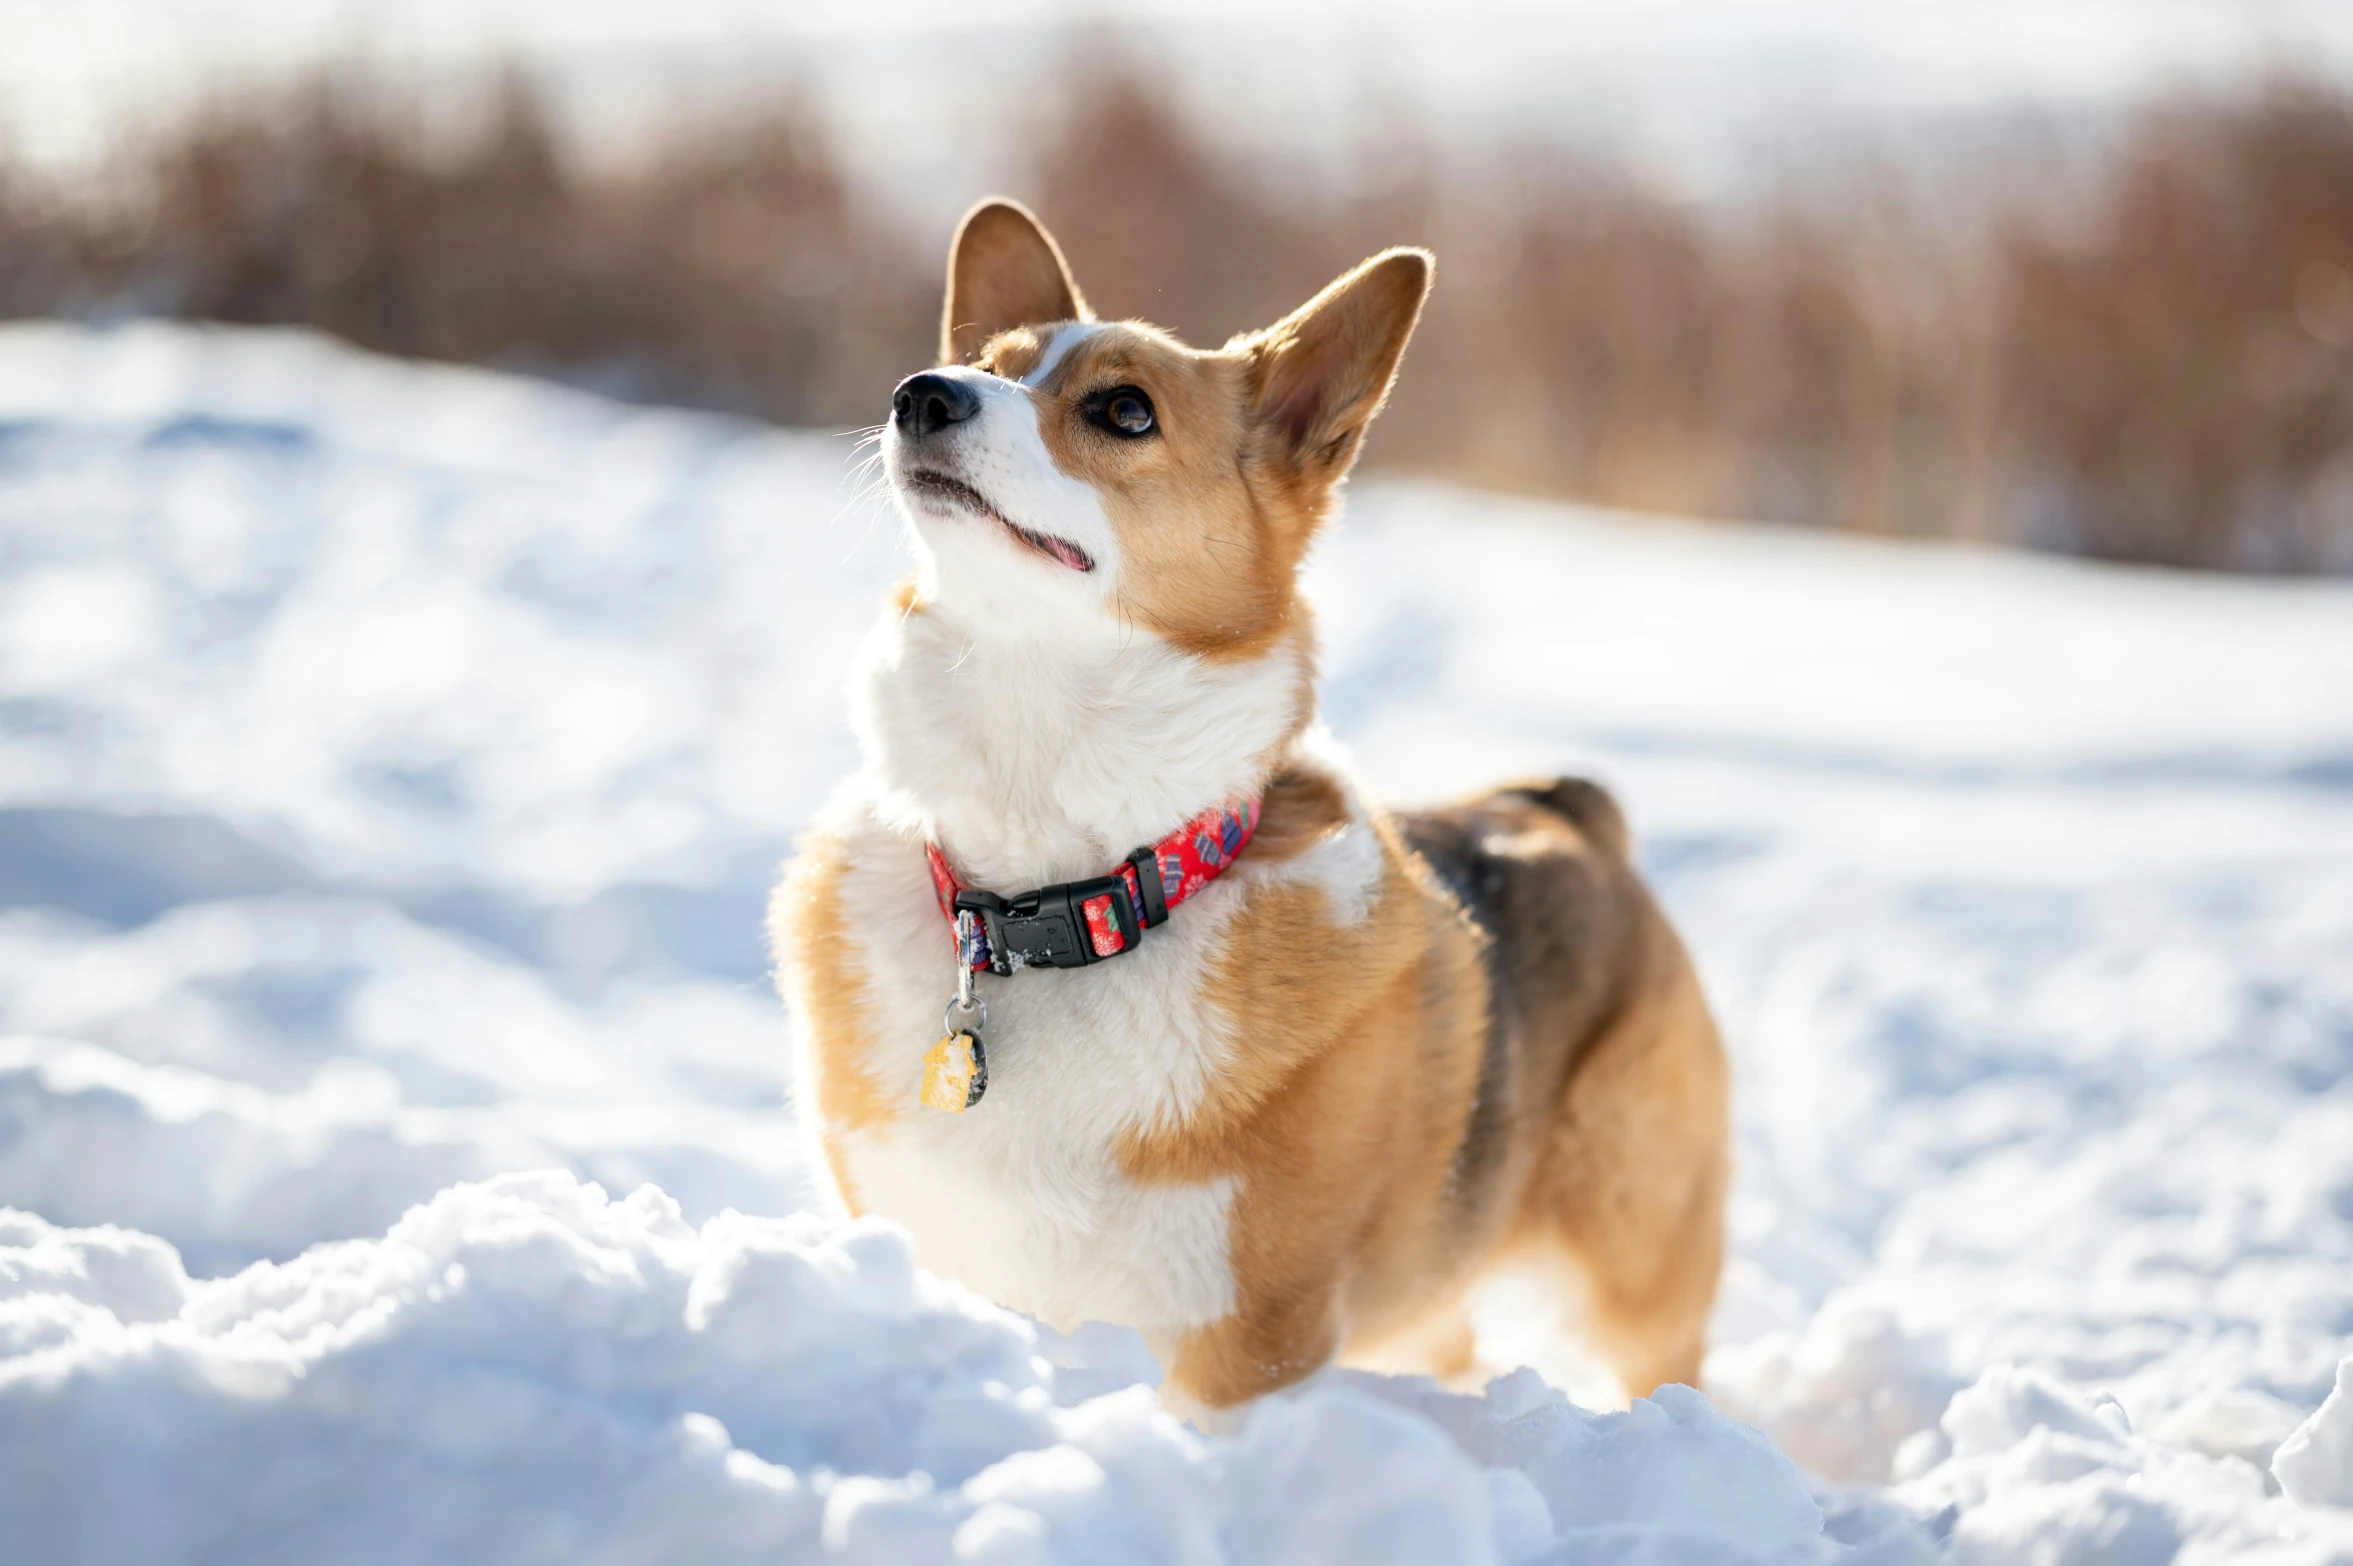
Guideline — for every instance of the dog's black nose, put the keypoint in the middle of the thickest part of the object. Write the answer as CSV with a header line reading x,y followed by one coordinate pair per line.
x,y
931,401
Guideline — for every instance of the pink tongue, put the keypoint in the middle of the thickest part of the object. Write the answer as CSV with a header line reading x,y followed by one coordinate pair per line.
x,y
1068,555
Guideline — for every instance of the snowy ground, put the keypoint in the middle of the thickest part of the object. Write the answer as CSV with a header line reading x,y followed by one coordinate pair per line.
x,y
392,763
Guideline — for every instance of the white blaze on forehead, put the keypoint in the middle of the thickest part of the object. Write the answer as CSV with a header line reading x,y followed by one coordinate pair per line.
x,y
1058,347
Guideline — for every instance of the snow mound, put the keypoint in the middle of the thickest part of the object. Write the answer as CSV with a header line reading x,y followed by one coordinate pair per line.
x,y
2039,1471
525,1370
2314,1464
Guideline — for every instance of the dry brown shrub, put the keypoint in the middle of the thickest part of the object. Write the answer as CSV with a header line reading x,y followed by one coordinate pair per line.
x,y
733,270
1588,336
2163,371
2178,366
2164,375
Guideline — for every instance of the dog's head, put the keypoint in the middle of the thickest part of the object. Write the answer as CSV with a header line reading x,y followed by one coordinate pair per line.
x,y
1063,471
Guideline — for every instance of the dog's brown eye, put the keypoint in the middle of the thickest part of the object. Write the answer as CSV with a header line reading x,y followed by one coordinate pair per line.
x,y
1124,411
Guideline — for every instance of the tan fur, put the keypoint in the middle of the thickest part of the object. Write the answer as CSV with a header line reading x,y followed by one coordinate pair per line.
x,y
1004,269
1504,1057
805,915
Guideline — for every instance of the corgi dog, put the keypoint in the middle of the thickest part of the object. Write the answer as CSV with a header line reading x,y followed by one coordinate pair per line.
x,y
1232,1055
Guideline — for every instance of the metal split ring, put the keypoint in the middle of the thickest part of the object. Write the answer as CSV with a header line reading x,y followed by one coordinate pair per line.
x,y
976,1009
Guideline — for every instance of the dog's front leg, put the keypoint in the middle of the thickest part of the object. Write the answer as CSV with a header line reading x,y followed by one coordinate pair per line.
x,y
1262,1347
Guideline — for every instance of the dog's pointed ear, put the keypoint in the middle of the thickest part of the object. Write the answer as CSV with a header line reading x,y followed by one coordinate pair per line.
x,y
1004,270
1320,374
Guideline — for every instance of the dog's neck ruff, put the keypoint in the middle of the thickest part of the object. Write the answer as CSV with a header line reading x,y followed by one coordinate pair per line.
x,y
1073,923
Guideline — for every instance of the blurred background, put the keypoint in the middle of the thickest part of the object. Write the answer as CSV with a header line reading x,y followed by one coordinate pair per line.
x,y
2076,277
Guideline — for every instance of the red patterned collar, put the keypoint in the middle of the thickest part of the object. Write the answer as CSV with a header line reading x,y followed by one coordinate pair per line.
x,y
1074,923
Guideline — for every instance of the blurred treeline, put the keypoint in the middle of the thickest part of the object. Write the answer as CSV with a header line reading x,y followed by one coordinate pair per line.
x,y
2150,359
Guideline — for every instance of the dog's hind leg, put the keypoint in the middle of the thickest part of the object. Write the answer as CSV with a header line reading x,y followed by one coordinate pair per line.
x,y
1441,1343
1631,1182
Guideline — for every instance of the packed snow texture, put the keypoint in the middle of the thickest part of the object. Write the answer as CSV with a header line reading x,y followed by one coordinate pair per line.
x,y
392,763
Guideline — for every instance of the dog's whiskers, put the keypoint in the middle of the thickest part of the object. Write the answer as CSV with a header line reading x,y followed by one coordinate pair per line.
x,y
866,482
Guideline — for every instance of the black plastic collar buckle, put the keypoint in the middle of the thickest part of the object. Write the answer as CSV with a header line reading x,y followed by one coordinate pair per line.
x,y
1047,928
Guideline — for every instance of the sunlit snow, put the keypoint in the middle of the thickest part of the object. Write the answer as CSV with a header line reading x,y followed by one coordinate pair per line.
x,y
392,764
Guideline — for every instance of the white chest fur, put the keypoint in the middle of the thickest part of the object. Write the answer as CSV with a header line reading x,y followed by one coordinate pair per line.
x,y
1023,1197
1036,749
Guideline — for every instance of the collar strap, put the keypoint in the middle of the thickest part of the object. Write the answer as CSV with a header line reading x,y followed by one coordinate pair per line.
x,y
1073,923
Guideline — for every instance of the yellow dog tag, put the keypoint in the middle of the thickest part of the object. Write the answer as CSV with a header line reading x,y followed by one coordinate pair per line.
x,y
955,1073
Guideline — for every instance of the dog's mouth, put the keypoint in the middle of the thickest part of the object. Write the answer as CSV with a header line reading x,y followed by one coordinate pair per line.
x,y
937,493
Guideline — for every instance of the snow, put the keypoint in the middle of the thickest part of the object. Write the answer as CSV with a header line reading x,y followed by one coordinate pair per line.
x,y
525,1370
392,764
2315,1463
